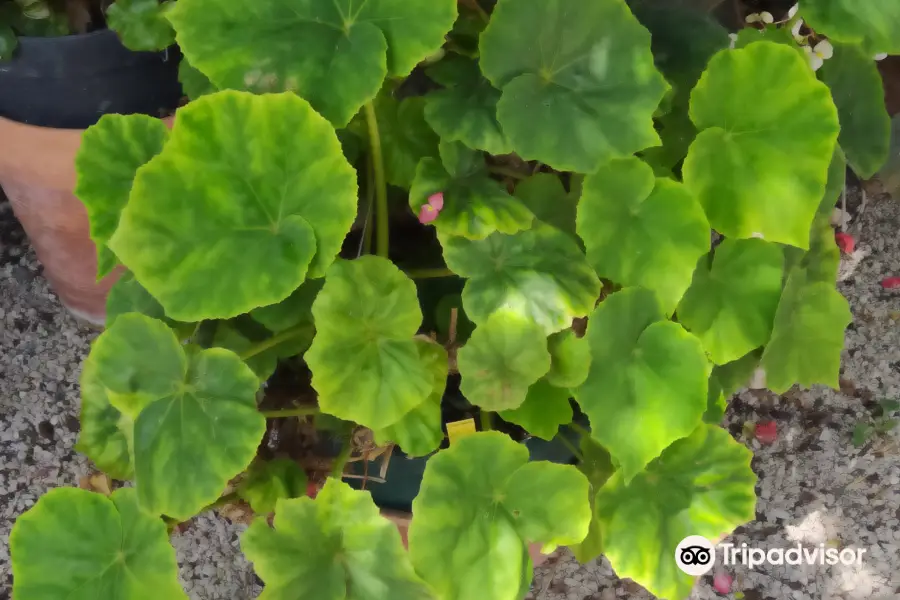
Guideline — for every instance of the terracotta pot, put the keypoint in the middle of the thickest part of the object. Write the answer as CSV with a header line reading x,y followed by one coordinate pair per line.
x,y
37,172
402,521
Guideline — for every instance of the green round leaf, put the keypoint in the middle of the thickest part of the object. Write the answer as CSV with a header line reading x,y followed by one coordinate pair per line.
x,y
336,547
136,361
466,109
106,434
256,169
647,385
269,481
263,364
771,33
734,375
642,231
193,82
474,204
191,417
545,408
111,152
205,431
578,81
858,93
365,364
419,431
875,22
545,196
141,24
8,42
505,355
127,295
759,165
475,516
405,136
716,403
731,305
683,41
597,466
677,133
295,310
837,178
347,49
808,335
701,485
539,274
79,545
570,359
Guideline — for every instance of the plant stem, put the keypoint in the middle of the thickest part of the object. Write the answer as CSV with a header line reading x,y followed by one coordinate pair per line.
x,y
382,241
430,273
578,429
506,172
276,339
477,7
300,411
486,420
565,441
194,332
370,201
337,471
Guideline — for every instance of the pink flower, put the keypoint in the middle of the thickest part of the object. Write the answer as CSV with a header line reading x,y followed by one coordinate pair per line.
x,y
890,283
767,432
427,214
430,210
845,242
437,201
722,582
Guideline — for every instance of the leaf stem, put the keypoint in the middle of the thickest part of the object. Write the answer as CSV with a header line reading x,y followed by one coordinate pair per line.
x,y
429,273
565,442
485,416
370,201
578,429
383,231
477,8
299,411
337,470
194,332
276,339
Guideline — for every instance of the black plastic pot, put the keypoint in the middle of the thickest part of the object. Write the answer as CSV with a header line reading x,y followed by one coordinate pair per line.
x,y
69,82
404,474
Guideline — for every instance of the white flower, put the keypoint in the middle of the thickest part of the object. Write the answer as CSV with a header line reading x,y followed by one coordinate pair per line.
x,y
795,30
819,54
733,37
793,11
758,236
763,17
881,56
824,49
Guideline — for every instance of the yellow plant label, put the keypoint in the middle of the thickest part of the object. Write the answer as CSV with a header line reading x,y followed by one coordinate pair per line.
x,y
460,429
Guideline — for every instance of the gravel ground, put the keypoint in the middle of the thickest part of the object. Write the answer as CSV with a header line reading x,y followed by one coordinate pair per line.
x,y
815,486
